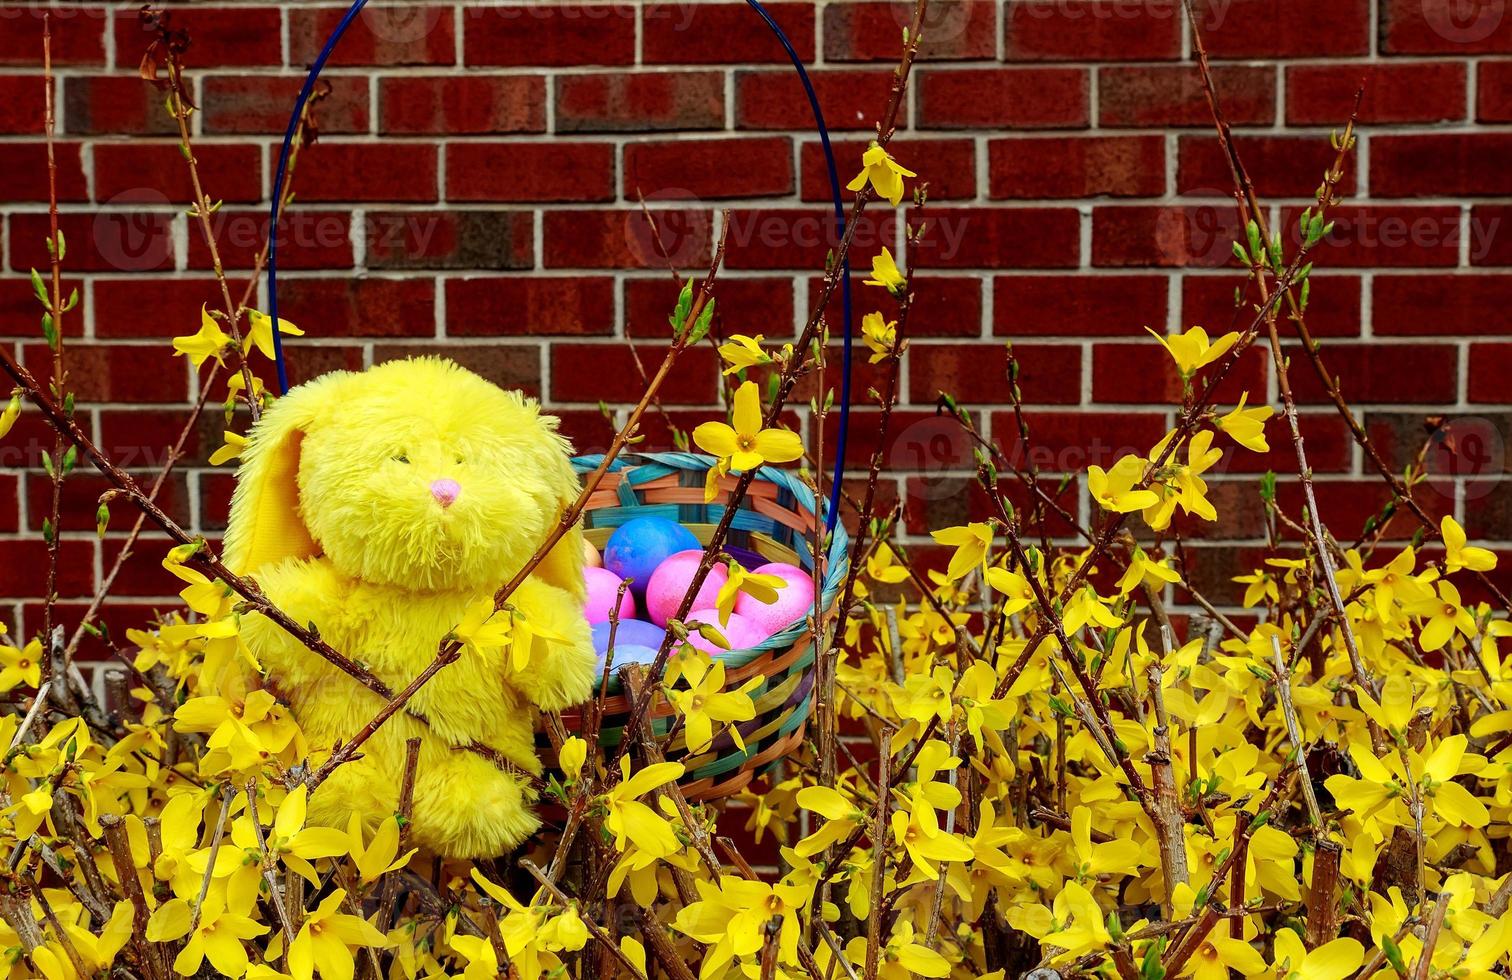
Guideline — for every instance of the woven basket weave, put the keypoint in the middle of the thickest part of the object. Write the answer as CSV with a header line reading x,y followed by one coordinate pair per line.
x,y
775,521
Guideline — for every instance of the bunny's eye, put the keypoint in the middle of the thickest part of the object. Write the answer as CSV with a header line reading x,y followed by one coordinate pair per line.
x,y
460,460
401,458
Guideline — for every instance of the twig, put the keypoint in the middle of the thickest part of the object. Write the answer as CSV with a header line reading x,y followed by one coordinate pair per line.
x,y
594,929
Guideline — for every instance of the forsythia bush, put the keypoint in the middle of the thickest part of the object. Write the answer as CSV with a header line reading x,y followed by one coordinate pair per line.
x,y
1022,762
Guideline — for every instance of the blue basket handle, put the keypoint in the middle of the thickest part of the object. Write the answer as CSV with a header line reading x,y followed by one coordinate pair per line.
x,y
829,158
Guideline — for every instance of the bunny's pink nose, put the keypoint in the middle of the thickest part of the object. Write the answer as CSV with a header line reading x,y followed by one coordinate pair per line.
x,y
446,492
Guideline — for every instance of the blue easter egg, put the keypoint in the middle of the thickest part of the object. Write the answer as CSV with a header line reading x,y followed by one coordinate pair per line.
x,y
632,653
638,546
631,632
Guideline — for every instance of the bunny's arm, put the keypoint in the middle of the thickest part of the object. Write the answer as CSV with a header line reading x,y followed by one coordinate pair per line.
x,y
560,674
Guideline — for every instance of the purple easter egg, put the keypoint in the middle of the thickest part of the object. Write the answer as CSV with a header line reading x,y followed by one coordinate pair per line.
x,y
669,583
603,587
631,632
741,632
637,547
794,602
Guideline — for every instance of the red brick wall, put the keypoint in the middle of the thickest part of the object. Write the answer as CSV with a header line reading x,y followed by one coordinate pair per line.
x,y
474,192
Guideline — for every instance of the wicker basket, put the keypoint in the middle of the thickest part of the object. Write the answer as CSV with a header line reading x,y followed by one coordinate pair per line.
x,y
775,522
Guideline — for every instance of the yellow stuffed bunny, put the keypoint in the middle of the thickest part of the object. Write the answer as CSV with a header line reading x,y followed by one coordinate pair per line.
x,y
379,506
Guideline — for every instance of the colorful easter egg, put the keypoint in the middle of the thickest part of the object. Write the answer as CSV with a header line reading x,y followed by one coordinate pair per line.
x,y
638,546
795,600
741,632
603,587
669,583
591,556
631,632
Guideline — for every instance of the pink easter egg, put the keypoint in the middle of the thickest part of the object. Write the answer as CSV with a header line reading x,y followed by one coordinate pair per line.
x,y
670,581
741,632
795,600
591,556
603,586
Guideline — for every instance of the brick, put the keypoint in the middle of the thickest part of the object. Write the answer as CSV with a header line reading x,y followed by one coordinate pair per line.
x,y
347,171
1490,366
1452,27
157,307
948,165
1393,374
1493,91
114,373
306,239
138,438
1438,165
21,572
851,98
1440,306
621,103
96,104
420,34
1412,93
1092,30
262,104
110,241
1077,305
800,238
1067,441
1333,308
10,504
713,33
27,180
742,167
621,239
511,306
364,306
944,306
450,239
22,103
1172,95
997,238
513,367
558,170
462,105
556,34
1366,236
761,305
1076,166
219,37
977,374
78,34
1330,447
1164,235
1491,234
1284,28
1279,166
1144,373
1018,98
953,30
606,372
228,172
82,490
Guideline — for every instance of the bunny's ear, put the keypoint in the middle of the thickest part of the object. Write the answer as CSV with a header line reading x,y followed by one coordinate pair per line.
x,y
266,525
563,565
